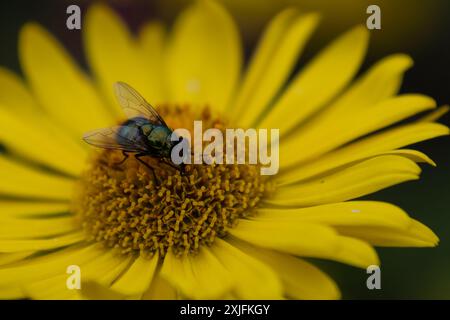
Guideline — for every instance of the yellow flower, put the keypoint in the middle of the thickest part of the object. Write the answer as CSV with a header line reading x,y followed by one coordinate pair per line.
x,y
222,231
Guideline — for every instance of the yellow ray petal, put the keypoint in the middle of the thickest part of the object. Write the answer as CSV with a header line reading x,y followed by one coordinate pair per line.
x,y
36,228
60,86
45,266
304,239
41,244
348,183
152,42
17,100
435,115
319,81
111,275
14,94
7,258
380,82
204,70
38,146
301,280
160,289
272,63
24,181
319,140
56,287
198,277
365,148
307,240
254,280
114,55
19,209
297,175
92,290
97,288
351,213
414,155
11,293
355,252
137,279
415,234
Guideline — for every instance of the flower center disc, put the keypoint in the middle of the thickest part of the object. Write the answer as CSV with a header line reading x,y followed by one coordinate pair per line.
x,y
123,206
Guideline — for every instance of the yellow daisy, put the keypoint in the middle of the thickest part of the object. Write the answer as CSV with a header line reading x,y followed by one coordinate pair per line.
x,y
221,231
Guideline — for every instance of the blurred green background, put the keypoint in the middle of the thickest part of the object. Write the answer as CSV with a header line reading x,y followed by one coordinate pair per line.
x,y
419,28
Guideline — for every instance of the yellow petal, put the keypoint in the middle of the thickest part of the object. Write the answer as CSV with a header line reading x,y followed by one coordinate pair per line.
x,y
152,41
97,287
436,114
306,240
301,280
108,277
272,63
303,239
414,155
355,252
19,209
297,175
319,81
40,146
365,148
114,55
41,244
12,293
63,90
138,277
55,287
14,94
198,277
204,56
45,266
7,258
254,280
348,183
380,82
351,213
36,228
160,289
415,234
16,99
320,139
92,290
24,181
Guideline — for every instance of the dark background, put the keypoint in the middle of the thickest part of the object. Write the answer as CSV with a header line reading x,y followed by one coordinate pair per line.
x,y
419,28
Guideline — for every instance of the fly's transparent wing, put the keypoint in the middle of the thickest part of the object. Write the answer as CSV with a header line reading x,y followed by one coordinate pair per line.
x,y
134,105
120,137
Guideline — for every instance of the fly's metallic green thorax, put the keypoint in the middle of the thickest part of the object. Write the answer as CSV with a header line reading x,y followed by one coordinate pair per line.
x,y
157,138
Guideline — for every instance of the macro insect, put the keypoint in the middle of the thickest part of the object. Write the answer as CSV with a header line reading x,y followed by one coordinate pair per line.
x,y
144,133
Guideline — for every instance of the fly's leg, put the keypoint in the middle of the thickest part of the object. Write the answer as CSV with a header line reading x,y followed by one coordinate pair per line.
x,y
180,168
125,157
138,158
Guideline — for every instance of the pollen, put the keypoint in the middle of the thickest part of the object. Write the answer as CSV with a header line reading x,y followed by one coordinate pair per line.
x,y
127,206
